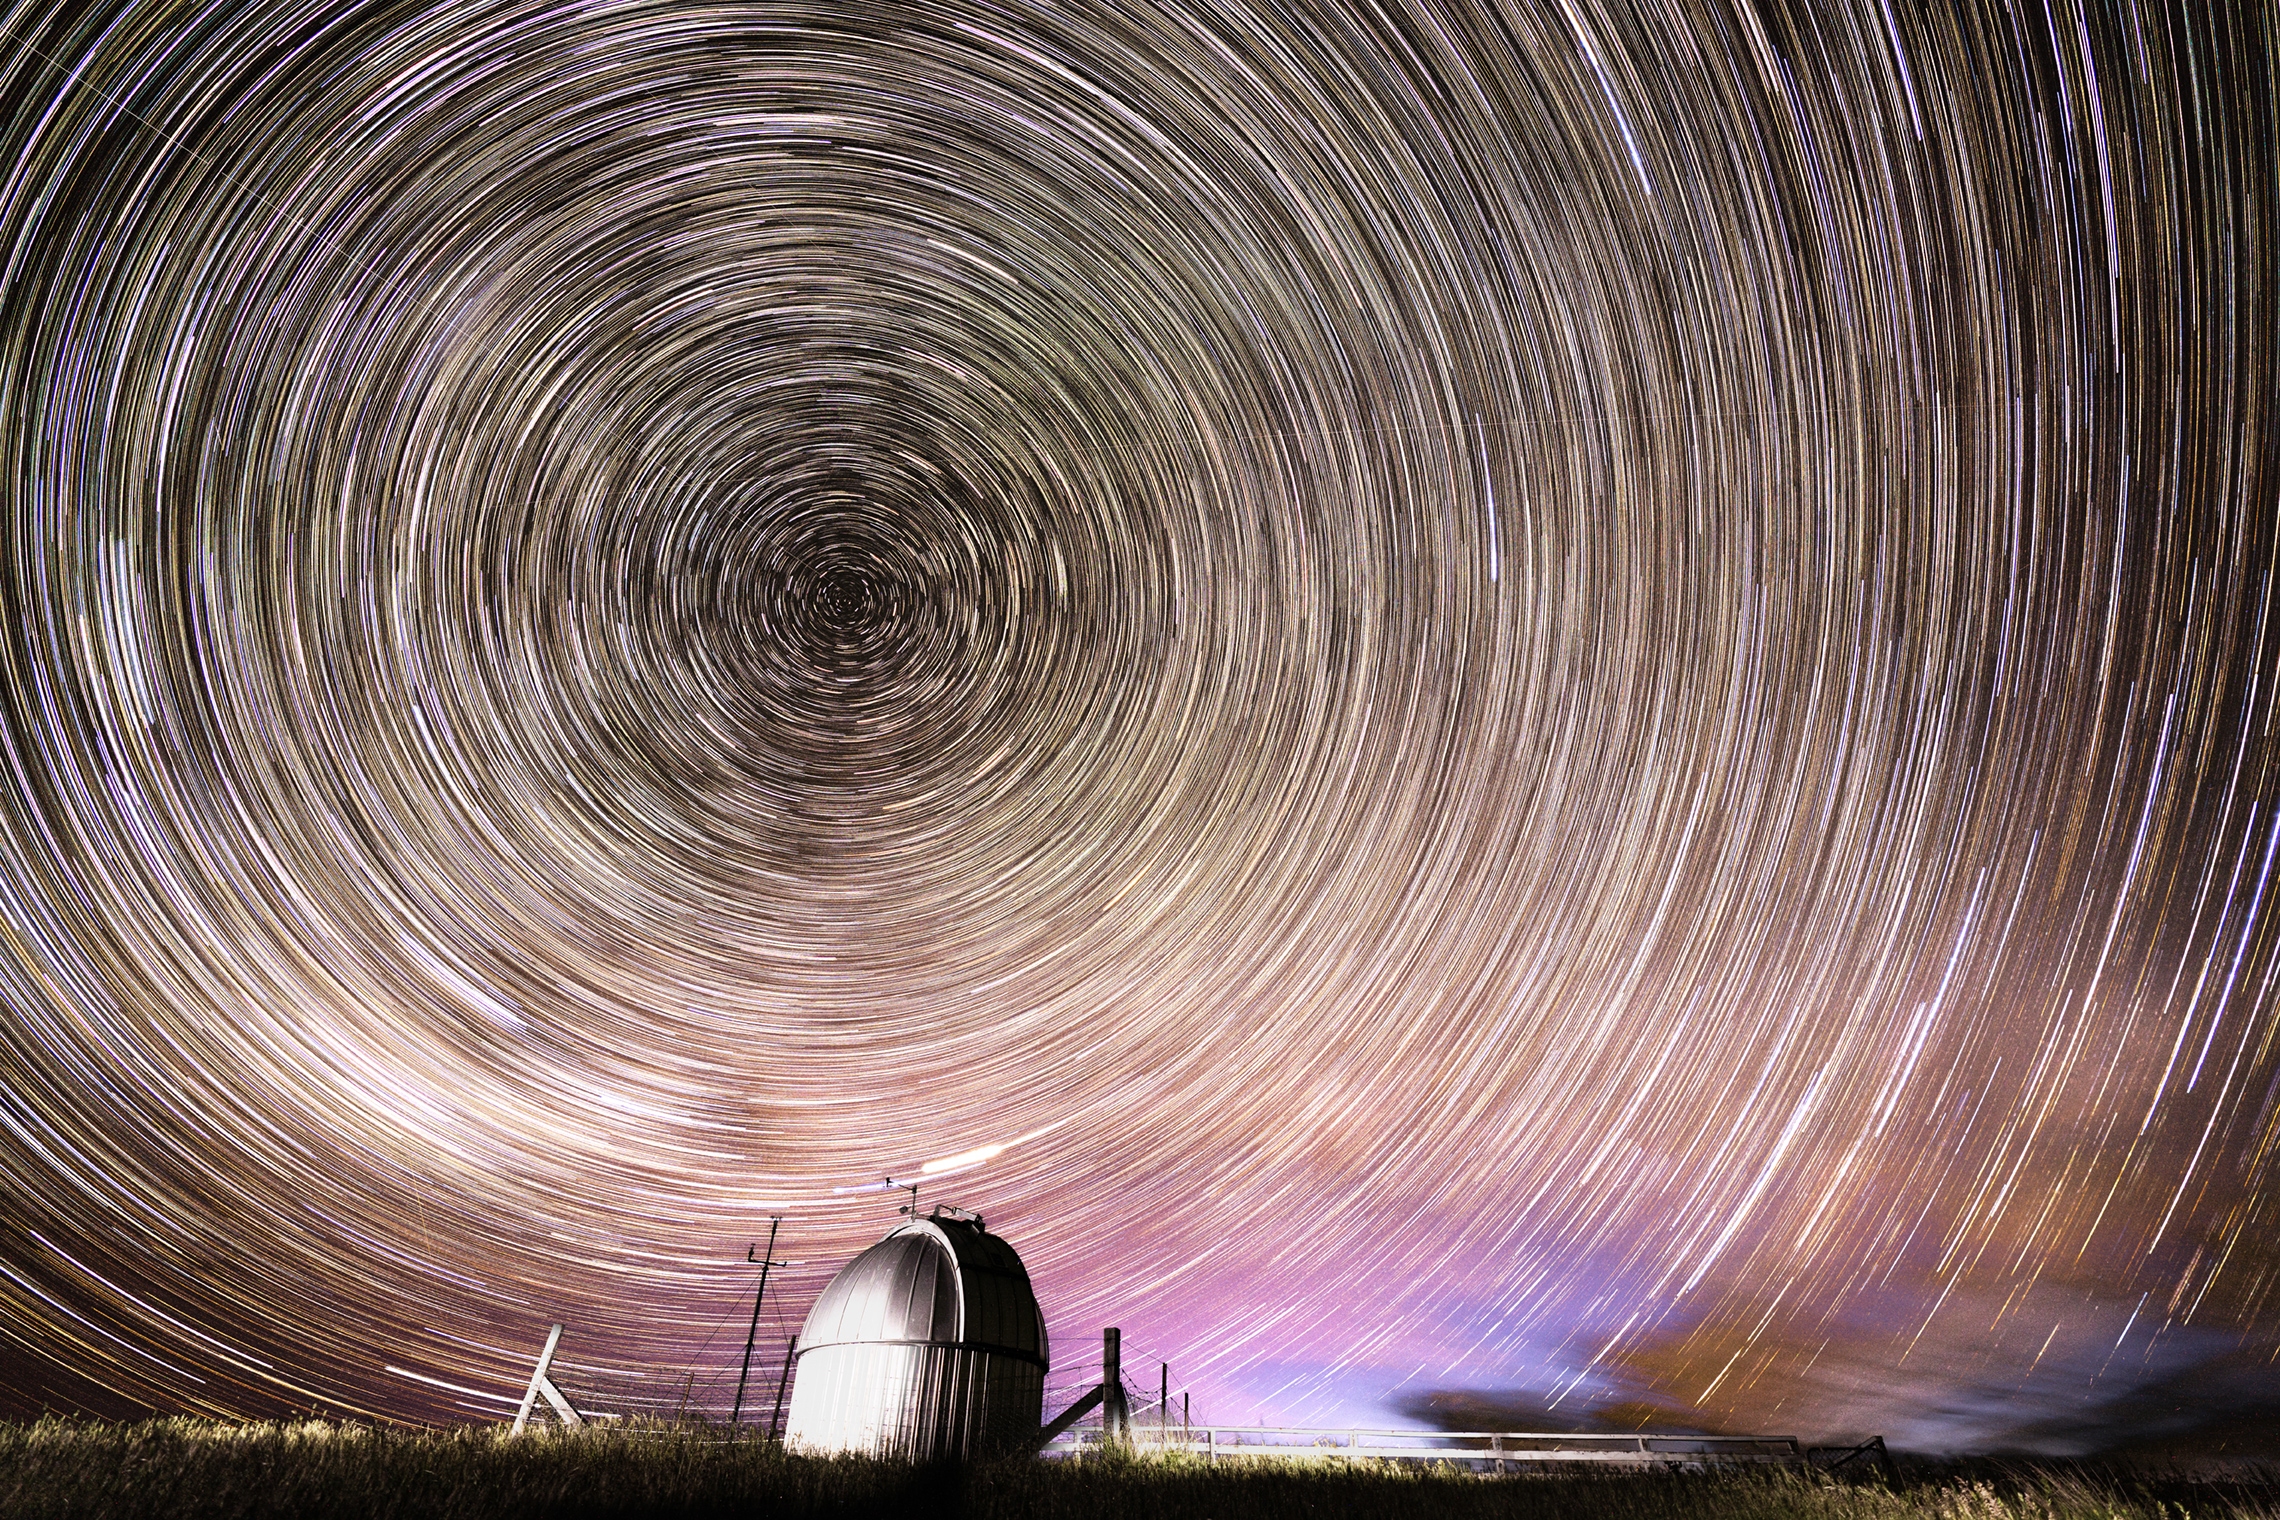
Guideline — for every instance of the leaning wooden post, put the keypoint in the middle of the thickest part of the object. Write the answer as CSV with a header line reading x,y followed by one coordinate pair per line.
x,y
537,1376
540,1383
776,1420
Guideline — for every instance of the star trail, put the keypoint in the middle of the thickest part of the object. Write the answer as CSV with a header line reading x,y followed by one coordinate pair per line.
x,y
1521,711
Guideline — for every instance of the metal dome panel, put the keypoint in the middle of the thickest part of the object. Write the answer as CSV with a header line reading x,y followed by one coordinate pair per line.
x,y
939,1281
905,1288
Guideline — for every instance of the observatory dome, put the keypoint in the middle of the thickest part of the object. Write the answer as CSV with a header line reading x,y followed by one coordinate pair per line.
x,y
928,1346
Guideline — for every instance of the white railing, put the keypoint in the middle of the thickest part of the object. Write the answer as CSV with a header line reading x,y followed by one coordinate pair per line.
x,y
1486,1450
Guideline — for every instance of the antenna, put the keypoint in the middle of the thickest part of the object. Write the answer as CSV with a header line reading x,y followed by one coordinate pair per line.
x,y
910,1208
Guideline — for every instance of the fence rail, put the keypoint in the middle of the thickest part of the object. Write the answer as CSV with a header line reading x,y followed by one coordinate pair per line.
x,y
1487,1450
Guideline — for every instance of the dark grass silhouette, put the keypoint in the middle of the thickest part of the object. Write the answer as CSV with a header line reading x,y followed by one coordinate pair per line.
x,y
198,1469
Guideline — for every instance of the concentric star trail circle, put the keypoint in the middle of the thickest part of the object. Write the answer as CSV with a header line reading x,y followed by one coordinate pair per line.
x,y
1545,704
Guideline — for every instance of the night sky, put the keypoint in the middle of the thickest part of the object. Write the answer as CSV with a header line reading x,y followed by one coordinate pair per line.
x,y
1563,714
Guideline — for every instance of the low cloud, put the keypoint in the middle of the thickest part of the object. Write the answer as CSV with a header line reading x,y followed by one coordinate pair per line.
x,y
2086,1378
1510,1409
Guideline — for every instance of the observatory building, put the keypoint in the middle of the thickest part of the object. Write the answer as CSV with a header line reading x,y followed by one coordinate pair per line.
x,y
928,1346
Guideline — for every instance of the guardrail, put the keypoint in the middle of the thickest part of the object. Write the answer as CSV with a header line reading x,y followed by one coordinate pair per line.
x,y
1480,1450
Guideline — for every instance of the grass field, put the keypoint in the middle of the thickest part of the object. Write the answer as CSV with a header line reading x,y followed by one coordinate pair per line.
x,y
192,1468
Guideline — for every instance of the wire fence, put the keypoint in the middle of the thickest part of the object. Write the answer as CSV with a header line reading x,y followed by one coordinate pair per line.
x,y
1158,1422
1159,1419
1476,1450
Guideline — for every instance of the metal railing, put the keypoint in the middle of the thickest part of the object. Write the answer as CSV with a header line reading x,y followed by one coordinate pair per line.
x,y
1482,1450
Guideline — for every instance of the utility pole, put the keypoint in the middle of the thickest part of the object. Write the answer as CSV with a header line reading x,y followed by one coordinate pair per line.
x,y
737,1416
1163,1401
